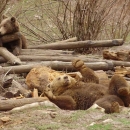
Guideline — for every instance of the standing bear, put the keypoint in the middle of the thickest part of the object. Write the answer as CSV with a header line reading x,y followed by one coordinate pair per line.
x,y
9,25
67,93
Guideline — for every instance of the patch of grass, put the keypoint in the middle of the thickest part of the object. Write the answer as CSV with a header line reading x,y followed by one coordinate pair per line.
x,y
125,121
78,114
100,127
48,127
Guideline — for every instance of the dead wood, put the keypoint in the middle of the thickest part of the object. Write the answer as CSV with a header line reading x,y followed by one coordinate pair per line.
x,y
41,52
9,56
46,103
57,65
7,81
35,92
22,90
123,55
12,103
80,44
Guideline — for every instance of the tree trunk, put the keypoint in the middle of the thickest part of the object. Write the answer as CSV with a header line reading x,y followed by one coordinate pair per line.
x,y
23,91
9,56
58,65
12,103
41,52
80,44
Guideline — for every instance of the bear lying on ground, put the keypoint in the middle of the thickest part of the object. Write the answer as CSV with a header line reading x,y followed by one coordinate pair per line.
x,y
9,25
67,93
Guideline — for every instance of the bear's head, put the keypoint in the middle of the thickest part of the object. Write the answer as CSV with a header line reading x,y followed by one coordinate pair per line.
x,y
61,83
8,25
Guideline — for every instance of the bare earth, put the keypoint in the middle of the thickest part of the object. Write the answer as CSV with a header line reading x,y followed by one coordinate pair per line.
x,y
52,118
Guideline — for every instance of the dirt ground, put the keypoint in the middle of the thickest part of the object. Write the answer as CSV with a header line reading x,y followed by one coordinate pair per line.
x,y
53,118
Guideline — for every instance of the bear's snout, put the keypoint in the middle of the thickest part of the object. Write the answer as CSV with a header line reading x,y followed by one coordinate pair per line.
x,y
66,77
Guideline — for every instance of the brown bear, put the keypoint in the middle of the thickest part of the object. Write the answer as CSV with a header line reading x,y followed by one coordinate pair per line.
x,y
118,86
9,25
67,93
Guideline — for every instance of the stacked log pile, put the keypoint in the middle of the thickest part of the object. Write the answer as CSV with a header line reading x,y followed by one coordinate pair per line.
x,y
50,55
54,55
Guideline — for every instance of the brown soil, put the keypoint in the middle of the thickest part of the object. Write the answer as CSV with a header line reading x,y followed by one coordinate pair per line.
x,y
51,118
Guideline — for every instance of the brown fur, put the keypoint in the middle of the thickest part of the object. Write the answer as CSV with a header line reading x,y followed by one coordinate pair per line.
x,y
88,74
118,86
68,93
108,101
84,94
9,25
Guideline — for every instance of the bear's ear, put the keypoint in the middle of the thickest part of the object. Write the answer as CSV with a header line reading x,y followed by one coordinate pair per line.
x,y
13,19
4,17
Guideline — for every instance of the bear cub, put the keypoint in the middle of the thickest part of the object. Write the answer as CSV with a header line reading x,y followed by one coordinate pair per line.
x,y
9,25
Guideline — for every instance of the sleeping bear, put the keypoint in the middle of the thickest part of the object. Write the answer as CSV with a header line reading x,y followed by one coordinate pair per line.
x,y
67,93
9,25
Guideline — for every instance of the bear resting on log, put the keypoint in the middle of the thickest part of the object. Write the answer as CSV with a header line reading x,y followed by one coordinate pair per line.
x,y
67,93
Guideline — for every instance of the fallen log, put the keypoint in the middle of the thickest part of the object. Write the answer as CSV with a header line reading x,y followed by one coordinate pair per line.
x,y
12,103
123,55
45,52
22,90
64,66
57,65
80,44
35,104
8,56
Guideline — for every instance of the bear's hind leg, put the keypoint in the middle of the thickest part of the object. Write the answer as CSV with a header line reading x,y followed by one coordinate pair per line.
x,y
115,107
118,86
123,91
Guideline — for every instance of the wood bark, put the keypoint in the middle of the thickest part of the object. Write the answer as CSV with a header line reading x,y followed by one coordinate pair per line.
x,y
63,66
122,55
23,91
9,56
45,52
36,104
35,92
80,44
12,103
57,65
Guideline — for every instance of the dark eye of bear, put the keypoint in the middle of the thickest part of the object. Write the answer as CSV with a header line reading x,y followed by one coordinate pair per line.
x,y
66,77
4,25
48,86
59,78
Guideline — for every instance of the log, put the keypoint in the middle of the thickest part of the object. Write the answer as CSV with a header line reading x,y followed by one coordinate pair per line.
x,y
80,44
12,103
123,55
23,91
36,104
45,52
35,92
9,56
57,65
10,37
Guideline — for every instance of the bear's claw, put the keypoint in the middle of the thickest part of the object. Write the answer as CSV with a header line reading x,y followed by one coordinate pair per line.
x,y
49,93
77,63
115,108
